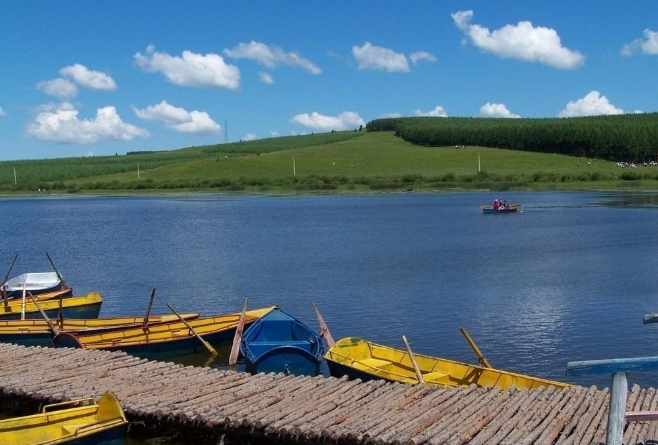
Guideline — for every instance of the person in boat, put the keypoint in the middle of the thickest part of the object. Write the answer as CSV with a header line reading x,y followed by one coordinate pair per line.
x,y
496,205
503,204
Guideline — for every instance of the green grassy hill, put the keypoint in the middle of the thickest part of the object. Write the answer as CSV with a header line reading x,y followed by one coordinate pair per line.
x,y
350,161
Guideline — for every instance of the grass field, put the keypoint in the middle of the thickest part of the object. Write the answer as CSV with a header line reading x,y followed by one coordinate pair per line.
x,y
362,161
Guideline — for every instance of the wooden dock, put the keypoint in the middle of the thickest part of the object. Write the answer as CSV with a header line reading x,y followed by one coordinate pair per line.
x,y
315,410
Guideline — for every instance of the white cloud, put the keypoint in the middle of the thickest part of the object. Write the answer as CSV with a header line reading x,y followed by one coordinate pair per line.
x,y
179,119
271,56
522,41
2,112
344,121
195,70
274,134
60,123
61,88
390,115
266,78
438,111
496,110
95,80
419,56
249,137
378,58
591,105
648,45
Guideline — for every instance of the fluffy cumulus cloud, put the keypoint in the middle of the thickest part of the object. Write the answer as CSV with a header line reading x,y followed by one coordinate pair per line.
x,y
195,70
179,119
271,56
61,88
438,111
496,110
389,115
421,56
521,41
370,57
94,80
591,105
60,123
249,137
648,45
266,78
347,120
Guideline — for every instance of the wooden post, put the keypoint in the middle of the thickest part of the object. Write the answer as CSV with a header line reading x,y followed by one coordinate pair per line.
x,y
61,278
419,375
324,330
203,342
23,304
617,410
148,310
481,358
237,338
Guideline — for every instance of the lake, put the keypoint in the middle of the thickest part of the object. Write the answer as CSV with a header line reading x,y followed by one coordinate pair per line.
x,y
568,278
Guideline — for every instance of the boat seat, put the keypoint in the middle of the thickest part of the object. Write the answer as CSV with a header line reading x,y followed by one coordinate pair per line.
x,y
371,363
436,377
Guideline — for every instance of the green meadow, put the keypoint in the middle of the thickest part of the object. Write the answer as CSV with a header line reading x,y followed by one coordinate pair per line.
x,y
339,162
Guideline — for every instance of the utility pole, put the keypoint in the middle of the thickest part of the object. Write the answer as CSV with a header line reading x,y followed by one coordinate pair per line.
x,y
15,178
138,170
294,167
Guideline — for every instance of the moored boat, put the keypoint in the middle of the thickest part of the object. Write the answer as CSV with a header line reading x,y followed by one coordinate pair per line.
x,y
358,358
87,306
164,339
279,342
36,283
68,423
35,332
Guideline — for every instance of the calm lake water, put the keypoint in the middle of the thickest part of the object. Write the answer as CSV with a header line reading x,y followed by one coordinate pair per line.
x,y
568,278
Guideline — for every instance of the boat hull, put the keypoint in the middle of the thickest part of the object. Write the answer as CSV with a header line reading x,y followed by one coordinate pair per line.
x,y
287,360
488,210
88,306
357,358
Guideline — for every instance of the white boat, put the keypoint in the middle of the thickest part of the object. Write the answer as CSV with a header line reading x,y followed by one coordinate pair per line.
x,y
34,283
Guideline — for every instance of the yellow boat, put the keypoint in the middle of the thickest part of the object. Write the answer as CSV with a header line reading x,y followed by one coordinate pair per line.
x,y
101,423
164,339
38,332
358,358
87,306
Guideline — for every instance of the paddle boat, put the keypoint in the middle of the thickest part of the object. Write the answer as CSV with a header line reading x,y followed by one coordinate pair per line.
x,y
279,342
88,306
163,339
36,283
512,208
358,358
39,333
78,422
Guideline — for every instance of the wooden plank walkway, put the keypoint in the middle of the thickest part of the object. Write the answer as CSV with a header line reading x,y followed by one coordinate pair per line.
x,y
313,410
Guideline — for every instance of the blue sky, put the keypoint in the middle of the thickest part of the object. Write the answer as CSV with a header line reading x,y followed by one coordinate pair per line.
x,y
85,78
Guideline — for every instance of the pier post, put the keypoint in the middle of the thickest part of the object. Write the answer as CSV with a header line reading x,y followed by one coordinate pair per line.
x,y
617,411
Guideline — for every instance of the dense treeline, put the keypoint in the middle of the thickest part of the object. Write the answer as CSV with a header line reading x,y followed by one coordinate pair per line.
x,y
628,137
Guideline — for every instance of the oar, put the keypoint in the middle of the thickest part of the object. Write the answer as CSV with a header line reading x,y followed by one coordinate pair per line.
x,y
205,343
52,327
61,278
237,338
4,282
148,310
481,358
324,330
419,376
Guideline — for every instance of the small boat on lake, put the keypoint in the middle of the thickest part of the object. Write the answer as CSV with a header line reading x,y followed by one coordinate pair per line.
x,y
163,339
358,358
279,342
78,422
509,209
36,283
39,333
88,306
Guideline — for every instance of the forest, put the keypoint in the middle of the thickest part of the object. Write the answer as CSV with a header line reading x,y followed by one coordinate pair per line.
x,y
621,138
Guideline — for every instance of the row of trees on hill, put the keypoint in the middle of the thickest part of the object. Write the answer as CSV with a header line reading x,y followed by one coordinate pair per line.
x,y
629,137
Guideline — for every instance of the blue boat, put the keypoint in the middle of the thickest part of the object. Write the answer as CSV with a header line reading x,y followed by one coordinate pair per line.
x,y
279,342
